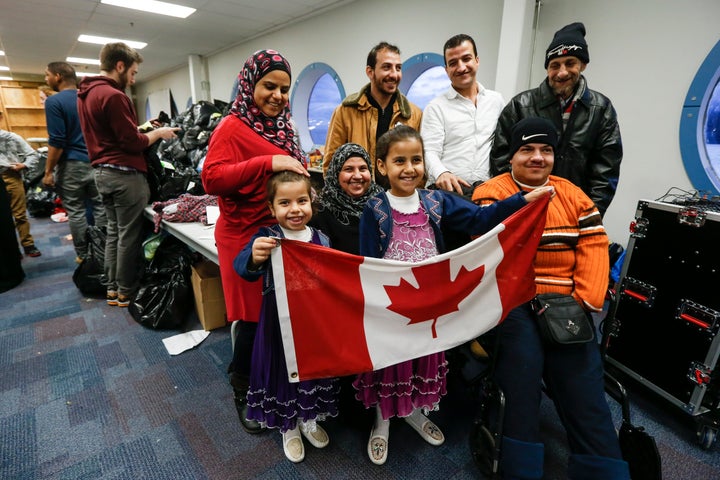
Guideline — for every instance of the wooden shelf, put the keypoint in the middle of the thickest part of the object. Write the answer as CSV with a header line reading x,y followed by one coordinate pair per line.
x,y
20,109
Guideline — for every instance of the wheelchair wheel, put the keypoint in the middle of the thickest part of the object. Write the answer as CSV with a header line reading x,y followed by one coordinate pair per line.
x,y
482,448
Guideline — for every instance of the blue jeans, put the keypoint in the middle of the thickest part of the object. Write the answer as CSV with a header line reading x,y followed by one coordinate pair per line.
x,y
573,376
76,186
125,195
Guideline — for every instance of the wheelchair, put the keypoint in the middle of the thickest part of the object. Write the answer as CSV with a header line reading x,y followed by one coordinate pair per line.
x,y
474,364
485,438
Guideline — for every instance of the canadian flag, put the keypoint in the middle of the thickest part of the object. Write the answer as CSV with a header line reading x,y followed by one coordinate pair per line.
x,y
342,314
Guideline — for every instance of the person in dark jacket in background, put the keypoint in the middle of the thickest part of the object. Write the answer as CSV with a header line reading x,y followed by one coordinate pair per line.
x,y
115,147
590,148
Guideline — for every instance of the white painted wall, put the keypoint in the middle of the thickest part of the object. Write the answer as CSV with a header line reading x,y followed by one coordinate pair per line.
x,y
342,38
643,55
177,81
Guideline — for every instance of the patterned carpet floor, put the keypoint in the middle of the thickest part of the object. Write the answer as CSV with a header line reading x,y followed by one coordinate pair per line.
x,y
87,393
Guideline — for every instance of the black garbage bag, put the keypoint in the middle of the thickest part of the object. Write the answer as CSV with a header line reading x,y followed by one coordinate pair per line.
x,y
197,157
214,121
179,181
194,138
223,107
203,112
32,176
89,276
172,150
41,202
163,118
165,297
155,171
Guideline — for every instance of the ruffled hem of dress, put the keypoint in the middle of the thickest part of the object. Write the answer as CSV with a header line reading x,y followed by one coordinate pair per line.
x,y
317,404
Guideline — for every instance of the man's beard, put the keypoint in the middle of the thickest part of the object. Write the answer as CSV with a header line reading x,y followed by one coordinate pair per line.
x,y
123,81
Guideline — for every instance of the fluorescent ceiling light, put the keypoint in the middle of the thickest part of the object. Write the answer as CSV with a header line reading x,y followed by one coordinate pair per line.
x,y
152,6
89,61
2,53
4,68
86,74
104,40
5,78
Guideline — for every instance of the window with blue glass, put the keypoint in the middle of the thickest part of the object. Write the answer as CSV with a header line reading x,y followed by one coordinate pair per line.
x,y
316,93
324,98
712,127
424,78
700,126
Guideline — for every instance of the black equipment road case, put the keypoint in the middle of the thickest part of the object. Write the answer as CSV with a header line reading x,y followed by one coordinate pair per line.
x,y
662,328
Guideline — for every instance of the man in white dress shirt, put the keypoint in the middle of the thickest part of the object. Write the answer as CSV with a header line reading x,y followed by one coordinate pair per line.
x,y
458,125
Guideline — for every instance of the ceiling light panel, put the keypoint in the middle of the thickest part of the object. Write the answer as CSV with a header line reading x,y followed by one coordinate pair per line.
x,y
104,40
152,6
87,61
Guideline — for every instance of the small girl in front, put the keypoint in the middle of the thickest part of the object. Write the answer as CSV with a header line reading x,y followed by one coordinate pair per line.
x,y
405,223
274,402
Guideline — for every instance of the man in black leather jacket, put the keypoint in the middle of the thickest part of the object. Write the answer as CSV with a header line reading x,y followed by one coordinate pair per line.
x,y
590,148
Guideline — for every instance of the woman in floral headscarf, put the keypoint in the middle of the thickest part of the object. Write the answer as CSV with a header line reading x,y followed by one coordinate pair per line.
x,y
256,139
348,186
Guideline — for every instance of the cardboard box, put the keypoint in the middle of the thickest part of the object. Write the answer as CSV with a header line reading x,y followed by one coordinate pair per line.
x,y
209,299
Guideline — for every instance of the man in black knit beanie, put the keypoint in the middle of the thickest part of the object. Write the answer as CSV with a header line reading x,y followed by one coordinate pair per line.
x,y
590,148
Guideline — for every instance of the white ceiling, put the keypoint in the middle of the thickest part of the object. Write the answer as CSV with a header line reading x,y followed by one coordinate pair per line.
x,y
36,32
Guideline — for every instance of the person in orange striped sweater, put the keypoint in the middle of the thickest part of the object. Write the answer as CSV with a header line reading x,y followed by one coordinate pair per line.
x,y
572,258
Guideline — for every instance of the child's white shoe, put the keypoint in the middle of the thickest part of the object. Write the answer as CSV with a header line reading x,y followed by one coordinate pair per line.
x,y
315,434
377,447
293,445
427,429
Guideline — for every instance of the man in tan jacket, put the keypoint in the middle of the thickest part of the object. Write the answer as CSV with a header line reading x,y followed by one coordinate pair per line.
x,y
364,116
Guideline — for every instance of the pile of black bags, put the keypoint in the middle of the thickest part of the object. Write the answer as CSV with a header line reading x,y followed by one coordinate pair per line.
x,y
174,164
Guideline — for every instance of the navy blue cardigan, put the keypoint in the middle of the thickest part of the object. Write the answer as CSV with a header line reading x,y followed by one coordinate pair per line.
x,y
443,208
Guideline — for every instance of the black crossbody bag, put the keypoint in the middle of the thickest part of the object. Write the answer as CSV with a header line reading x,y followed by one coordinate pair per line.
x,y
562,320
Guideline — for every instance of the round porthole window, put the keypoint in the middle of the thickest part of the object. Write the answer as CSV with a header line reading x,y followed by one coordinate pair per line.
x,y
700,126
424,78
316,93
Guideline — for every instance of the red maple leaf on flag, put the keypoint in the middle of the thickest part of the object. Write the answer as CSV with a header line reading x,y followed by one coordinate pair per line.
x,y
436,294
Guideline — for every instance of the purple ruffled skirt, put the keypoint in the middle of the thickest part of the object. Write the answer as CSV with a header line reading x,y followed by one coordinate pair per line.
x,y
272,399
402,388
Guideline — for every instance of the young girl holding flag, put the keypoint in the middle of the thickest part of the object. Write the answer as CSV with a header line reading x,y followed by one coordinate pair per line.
x,y
404,224
293,408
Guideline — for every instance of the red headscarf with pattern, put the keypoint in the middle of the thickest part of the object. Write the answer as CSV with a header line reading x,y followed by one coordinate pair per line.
x,y
276,130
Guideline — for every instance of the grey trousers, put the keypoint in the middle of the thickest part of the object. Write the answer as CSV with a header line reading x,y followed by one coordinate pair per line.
x,y
125,195
77,189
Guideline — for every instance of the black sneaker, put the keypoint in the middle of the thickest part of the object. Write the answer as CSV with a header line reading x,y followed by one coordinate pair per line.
x,y
31,251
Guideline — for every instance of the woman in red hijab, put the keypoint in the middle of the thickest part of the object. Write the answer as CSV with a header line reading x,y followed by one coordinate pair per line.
x,y
256,139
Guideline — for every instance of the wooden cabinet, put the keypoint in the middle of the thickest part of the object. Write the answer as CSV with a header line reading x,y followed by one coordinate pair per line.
x,y
21,111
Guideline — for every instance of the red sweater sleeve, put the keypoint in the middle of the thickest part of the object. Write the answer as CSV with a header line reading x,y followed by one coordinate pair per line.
x,y
238,159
